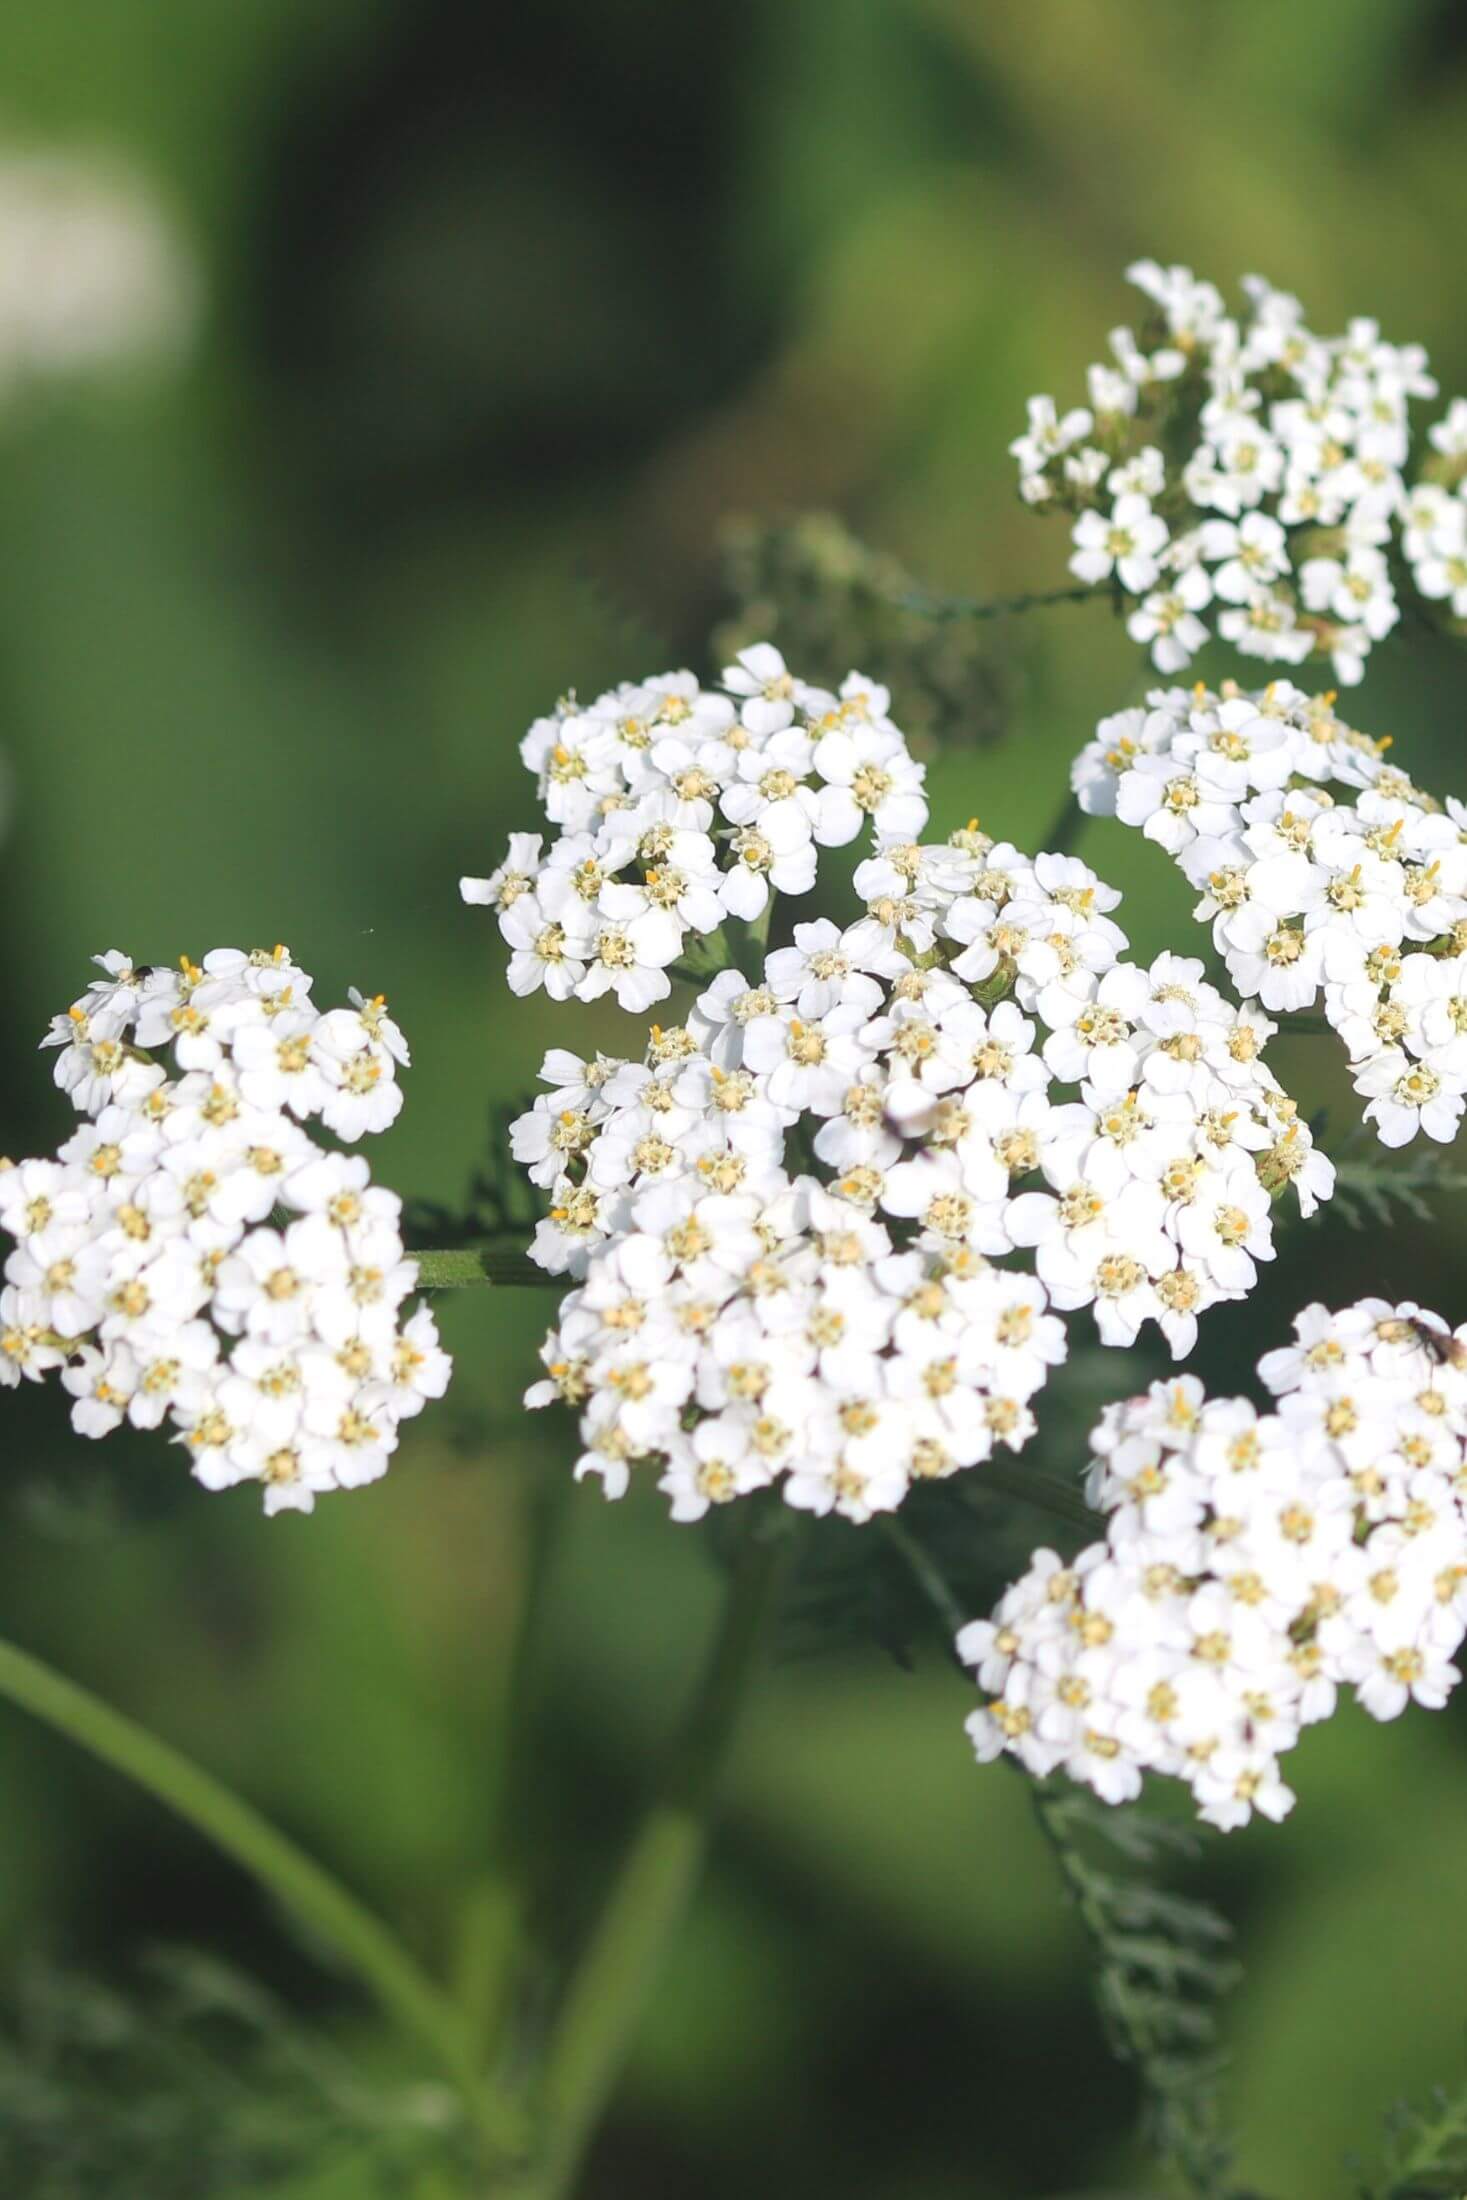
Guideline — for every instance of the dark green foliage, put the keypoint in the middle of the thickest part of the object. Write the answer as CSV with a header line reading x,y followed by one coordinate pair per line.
x,y
1159,1969
500,1201
196,2082
1159,1957
830,602
1376,1190
1425,2151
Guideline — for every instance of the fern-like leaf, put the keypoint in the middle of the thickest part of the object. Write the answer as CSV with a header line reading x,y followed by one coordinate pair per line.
x,y
830,602
1160,1960
1159,1972
1374,1190
1425,2156
194,2079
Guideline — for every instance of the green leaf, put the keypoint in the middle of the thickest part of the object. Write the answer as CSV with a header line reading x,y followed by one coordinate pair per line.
x,y
1376,1190
1157,1972
1425,2154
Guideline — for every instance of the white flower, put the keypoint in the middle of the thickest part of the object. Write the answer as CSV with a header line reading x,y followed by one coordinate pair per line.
x,y
764,687
716,1463
357,1071
515,876
1449,435
821,971
776,856
1249,554
1048,435
1167,621
545,951
1405,1097
1173,801
1127,544
870,772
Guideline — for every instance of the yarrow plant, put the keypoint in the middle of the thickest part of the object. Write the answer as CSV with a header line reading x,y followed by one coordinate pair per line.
x,y
1236,475
1358,896
792,1222
821,1239
194,1255
1253,1565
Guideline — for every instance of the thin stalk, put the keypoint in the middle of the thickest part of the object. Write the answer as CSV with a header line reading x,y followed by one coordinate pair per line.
x,y
497,1922
929,1578
502,1261
1061,836
927,605
1294,1025
613,1980
1033,1487
404,1991
1037,1489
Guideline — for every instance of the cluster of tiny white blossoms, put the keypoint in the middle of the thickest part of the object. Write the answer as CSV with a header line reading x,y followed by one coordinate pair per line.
x,y
676,807
1245,477
1359,897
784,1223
194,1254
1253,1565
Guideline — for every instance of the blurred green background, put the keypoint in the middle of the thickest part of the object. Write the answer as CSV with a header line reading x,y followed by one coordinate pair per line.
x,y
506,315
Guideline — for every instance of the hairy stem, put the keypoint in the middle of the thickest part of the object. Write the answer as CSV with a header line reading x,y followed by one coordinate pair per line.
x,y
597,2023
502,1261
404,1991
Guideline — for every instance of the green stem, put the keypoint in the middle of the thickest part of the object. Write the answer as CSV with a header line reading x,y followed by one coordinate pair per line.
x,y
929,1578
1043,1490
502,1262
503,1900
926,605
1033,1487
1061,836
597,2023
403,1989
1299,1026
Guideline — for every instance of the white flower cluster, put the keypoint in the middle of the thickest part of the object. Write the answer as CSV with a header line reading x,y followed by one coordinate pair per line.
x,y
1272,519
784,1222
195,1255
1252,1566
676,808
1360,897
